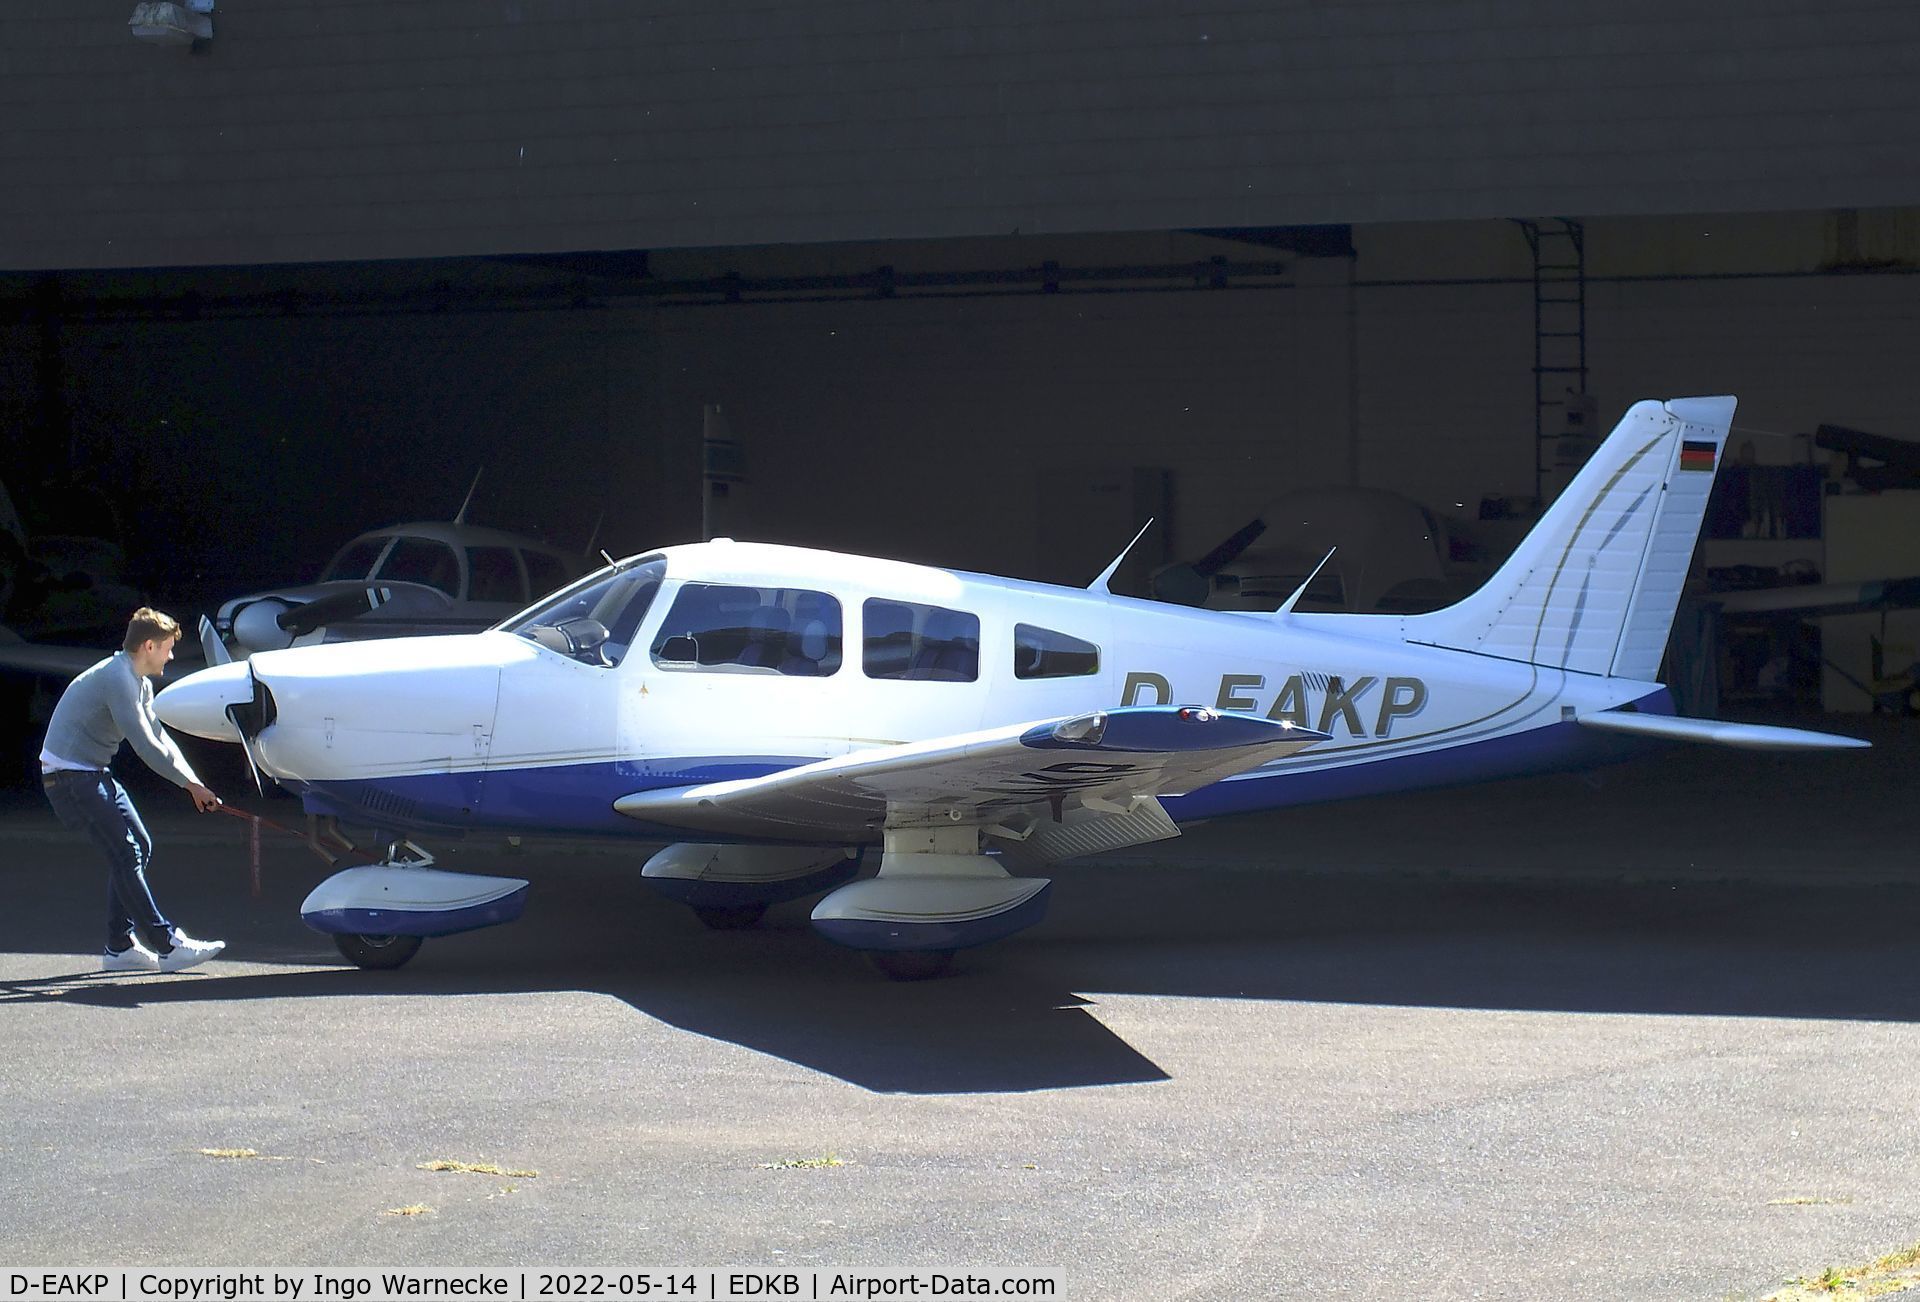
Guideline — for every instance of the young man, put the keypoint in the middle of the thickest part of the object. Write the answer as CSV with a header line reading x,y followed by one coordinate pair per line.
x,y
109,703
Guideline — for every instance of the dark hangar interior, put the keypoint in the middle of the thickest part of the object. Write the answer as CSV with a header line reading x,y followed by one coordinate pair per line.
x,y
979,288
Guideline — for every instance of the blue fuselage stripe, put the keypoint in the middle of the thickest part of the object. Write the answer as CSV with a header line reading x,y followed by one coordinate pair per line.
x,y
577,799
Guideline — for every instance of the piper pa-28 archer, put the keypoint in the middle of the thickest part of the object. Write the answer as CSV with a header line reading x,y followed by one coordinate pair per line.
x,y
775,711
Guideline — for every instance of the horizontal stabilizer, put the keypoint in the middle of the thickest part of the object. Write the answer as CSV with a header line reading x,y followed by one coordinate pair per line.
x,y
1744,736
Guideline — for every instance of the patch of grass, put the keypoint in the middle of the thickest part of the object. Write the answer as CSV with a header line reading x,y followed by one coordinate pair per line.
x,y
477,1168
234,1154
1811,1200
411,1209
1897,1272
1899,1260
803,1163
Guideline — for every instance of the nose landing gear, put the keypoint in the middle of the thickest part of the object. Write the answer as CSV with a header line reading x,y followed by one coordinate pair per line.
x,y
377,953
379,915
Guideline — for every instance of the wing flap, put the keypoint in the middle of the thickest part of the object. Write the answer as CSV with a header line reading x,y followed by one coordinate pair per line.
x,y
1096,828
981,778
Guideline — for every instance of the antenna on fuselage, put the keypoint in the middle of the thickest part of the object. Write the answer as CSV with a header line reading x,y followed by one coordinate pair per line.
x,y
1286,607
594,537
461,518
1100,584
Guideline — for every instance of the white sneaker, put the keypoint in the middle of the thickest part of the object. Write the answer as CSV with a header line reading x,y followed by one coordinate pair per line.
x,y
137,958
187,952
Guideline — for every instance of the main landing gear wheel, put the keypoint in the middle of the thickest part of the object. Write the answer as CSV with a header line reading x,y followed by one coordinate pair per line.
x,y
738,918
379,953
911,964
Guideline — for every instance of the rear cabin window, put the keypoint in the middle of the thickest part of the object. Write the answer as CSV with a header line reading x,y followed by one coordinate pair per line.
x,y
544,573
493,575
1043,653
422,560
920,643
730,627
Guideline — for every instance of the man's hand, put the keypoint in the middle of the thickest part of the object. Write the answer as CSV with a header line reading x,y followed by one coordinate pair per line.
x,y
203,800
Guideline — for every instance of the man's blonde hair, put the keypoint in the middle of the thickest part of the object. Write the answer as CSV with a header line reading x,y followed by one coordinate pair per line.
x,y
150,625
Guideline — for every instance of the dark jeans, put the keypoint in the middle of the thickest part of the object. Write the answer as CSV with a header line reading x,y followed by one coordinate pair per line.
x,y
94,802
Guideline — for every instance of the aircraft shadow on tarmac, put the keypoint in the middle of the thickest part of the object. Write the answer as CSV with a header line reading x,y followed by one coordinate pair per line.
x,y
1017,1016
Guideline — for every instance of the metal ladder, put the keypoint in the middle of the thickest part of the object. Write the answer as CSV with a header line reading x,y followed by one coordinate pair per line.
x,y
1559,330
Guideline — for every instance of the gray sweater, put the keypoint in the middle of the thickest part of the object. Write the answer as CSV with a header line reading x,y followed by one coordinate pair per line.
x,y
105,705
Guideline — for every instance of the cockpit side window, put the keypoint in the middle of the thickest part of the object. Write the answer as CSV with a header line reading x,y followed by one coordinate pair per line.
x,y
1042,653
920,643
494,575
356,559
794,632
595,620
544,573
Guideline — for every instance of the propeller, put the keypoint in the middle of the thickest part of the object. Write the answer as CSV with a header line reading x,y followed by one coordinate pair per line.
x,y
334,608
273,623
251,718
211,646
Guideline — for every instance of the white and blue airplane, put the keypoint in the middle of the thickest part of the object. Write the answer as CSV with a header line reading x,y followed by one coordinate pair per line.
x,y
774,712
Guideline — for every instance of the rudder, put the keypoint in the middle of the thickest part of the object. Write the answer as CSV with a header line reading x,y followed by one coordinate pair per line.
x,y
1593,587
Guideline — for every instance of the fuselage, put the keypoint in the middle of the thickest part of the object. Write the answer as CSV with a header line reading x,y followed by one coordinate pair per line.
x,y
725,660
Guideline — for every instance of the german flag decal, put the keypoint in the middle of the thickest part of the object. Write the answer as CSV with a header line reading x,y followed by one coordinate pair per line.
x,y
1696,456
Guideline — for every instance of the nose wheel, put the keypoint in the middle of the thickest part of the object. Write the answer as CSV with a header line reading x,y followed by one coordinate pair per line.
x,y
377,953
379,913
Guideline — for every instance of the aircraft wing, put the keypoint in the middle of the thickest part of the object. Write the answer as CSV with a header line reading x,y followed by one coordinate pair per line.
x,y
51,660
1810,600
1080,769
42,660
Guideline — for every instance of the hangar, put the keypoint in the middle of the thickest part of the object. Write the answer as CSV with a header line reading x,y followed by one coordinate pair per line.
x,y
978,291
982,285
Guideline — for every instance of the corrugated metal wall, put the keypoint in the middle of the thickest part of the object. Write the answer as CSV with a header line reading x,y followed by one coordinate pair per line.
x,y
341,129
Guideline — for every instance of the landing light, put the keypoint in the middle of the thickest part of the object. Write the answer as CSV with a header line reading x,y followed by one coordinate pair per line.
x,y
1088,728
1195,714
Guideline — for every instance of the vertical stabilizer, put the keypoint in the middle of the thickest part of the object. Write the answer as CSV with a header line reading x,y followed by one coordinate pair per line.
x,y
1593,587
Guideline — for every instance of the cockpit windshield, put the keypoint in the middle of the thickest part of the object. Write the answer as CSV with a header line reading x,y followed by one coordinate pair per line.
x,y
594,620
356,559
